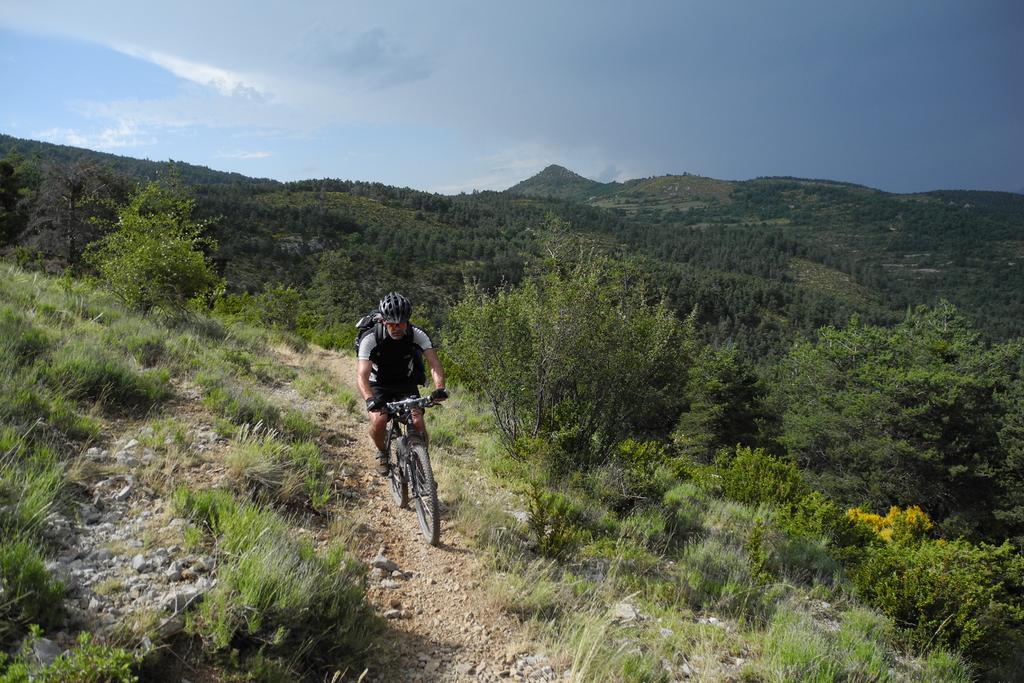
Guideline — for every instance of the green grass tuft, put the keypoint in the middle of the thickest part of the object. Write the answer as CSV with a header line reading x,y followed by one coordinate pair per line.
x,y
287,473
85,371
275,594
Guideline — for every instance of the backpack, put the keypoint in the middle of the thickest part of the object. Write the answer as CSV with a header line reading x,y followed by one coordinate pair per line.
x,y
373,324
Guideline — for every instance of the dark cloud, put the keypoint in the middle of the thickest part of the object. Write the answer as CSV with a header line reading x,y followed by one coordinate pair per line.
x,y
373,56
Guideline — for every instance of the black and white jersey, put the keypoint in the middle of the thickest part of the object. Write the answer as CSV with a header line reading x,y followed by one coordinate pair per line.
x,y
393,359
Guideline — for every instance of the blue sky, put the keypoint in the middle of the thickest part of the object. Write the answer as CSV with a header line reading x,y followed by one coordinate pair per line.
x,y
452,96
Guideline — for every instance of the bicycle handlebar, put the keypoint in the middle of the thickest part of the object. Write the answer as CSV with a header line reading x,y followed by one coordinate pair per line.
x,y
396,407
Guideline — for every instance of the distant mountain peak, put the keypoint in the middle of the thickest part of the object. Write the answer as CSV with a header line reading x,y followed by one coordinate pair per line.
x,y
557,182
553,169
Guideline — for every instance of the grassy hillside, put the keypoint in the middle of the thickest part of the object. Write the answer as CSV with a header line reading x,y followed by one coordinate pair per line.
x,y
181,493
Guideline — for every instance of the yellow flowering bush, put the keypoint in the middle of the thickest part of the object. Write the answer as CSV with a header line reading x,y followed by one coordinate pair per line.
x,y
911,524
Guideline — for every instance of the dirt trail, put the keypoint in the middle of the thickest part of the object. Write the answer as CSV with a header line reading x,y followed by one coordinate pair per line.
x,y
443,625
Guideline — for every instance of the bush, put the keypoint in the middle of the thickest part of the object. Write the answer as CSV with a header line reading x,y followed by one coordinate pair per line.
x,y
815,516
553,357
549,522
88,662
904,526
753,477
153,259
953,593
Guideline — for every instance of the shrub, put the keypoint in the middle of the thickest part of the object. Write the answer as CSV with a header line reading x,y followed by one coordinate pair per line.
x,y
550,357
953,593
276,306
644,473
91,662
904,526
815,516
753,477
549,521
153,259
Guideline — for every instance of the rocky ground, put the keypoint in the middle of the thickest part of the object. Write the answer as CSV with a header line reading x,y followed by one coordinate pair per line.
x,y
128,570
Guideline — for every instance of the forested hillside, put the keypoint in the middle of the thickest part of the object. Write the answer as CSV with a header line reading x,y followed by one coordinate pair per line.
x,y
741,395
762,260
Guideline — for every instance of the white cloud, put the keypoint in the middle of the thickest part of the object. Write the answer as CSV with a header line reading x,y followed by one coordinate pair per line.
x,y
125,134
243,155
227,83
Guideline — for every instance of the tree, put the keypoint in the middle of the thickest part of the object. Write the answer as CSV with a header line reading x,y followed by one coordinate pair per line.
x,y
74,201
17,177
724,405
904,416
154,257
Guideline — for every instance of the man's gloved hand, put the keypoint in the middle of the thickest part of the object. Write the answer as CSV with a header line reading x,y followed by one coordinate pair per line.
x,y
374,404
438,395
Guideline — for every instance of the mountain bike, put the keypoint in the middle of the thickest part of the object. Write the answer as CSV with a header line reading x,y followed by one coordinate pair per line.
x,y
410,473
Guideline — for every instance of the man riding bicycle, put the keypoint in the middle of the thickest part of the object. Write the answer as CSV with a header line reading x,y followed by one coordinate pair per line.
x,y
391,368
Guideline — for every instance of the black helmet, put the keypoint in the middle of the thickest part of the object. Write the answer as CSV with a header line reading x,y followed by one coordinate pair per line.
x,y
395,308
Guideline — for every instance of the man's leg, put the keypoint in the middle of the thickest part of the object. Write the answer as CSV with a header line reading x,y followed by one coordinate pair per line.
x,y
378,429
378,434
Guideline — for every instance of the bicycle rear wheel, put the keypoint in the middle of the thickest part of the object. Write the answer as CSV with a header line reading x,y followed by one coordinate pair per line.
x,y
424,491
399,484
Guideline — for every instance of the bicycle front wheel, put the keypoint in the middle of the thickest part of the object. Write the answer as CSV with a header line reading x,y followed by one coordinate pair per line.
x,y
396,476
424,491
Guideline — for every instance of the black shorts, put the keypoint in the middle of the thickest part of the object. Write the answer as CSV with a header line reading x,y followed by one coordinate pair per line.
x,y
390,394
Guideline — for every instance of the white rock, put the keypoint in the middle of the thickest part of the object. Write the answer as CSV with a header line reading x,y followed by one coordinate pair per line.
x,y
383,563
625,612
45,651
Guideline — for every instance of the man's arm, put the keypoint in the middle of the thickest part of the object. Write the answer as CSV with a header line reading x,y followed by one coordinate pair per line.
x,y
436,371
363,378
